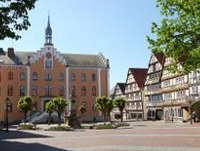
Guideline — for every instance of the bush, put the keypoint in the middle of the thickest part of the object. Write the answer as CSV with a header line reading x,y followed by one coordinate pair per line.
x,y
59,128
104,126
26,126
122,124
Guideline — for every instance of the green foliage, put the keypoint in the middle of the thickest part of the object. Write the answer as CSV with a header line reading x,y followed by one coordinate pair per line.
x,y
82,109
178,34
104,105
60,128
26,126
104,126
49,108
25,104
120,103
59,106
14,17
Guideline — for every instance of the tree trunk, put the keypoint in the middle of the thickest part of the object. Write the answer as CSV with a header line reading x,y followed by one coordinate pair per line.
x,y
49,119
59,122
121,112
25,113
104,118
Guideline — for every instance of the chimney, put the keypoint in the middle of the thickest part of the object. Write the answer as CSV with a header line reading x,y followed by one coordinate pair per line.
x,y
11,52
2,52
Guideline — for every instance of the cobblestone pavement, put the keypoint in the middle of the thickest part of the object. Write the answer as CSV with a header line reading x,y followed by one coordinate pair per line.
x,y
140,136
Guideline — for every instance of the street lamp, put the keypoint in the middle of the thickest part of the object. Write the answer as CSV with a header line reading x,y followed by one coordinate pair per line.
x,y
8,108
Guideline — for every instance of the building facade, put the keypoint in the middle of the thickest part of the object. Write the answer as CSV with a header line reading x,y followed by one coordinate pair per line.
x,y
47,73
153,95
134,93
118,91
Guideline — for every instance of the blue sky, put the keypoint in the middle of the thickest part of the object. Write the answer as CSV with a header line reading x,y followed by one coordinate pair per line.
x,y
117,28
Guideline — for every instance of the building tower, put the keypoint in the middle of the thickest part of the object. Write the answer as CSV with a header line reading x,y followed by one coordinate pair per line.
x,y
48,33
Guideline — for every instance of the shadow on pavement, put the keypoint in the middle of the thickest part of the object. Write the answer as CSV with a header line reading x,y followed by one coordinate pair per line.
x,y
18,146
14,134
8,142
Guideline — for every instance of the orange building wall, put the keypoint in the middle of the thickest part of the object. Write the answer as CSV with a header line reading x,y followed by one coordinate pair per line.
x,y
15,115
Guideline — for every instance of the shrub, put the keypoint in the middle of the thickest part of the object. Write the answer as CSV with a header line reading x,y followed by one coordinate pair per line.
x,y
105,126
59,128
26,126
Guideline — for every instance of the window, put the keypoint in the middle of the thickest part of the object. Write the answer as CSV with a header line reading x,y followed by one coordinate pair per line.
x,y
22,91
61,91
10,76
48,63
10,90
48,90
48,77
22,76
61,77
93,77
83,77
34,90
73,77
73,91
34,76
83,91
93,91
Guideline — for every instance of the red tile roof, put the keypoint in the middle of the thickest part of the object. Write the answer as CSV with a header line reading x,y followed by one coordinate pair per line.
x,y
139,75
160,57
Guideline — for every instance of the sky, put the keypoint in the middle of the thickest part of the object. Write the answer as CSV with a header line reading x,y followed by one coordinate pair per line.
x,y
116,28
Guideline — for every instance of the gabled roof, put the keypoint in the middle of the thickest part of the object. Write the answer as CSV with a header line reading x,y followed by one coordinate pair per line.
x,y
139,75
160,57
122,87
72,60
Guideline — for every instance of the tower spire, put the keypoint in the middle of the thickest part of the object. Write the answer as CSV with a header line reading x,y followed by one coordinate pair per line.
x,y
48,33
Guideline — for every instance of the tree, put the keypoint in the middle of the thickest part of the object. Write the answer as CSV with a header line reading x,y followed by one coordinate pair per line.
x,y
82,109
59,106
178,35
14,17
49,108
110,108
25,104
103,104
120,103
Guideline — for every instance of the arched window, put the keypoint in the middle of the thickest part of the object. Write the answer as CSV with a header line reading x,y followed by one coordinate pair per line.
x,y
10,90
83,91
34,90
61,91
73,91
47,90
10,75
22,91
34,76
48,61
22,76
73,77
94,91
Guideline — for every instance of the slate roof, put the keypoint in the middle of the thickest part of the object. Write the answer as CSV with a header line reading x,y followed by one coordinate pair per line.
x,y
73,60
139,75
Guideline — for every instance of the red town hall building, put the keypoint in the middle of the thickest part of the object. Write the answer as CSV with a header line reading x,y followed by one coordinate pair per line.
x,y
47,73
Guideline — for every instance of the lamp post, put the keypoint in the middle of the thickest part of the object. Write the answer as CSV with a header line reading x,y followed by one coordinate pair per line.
x,y
8,108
